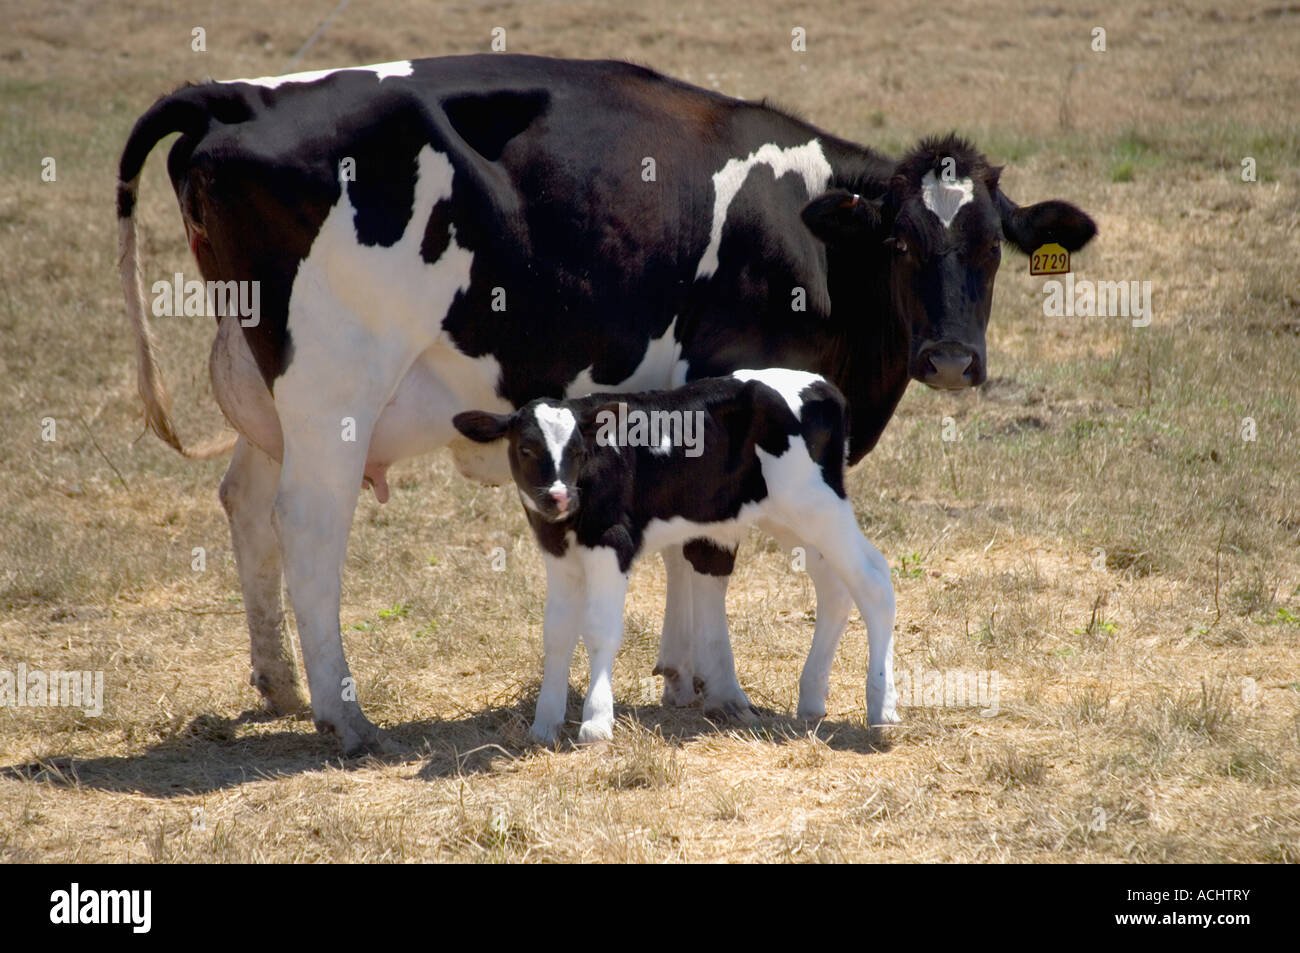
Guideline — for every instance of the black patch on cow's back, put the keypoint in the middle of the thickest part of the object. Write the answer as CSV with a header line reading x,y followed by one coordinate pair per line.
x,y
489,120
383,193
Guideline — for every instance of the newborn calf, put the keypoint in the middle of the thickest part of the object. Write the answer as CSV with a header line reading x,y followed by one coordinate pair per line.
x,y
608,477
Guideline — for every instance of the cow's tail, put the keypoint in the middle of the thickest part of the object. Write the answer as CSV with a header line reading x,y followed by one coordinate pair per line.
x,y
184,111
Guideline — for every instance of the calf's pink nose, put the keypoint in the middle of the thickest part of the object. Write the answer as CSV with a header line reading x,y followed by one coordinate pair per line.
x,y
561,498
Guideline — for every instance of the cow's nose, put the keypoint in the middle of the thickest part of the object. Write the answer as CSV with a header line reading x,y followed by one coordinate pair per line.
x,y
561,498
949,368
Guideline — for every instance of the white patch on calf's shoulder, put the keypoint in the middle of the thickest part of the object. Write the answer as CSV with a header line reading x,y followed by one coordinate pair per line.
x,y
557,425
807,161
381,70
946,199
785,381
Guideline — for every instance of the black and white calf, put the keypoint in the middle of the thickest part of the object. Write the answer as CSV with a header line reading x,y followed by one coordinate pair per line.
x,y
771,451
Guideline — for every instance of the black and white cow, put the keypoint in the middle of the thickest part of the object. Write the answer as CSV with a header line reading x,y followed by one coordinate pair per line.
x,y
765,448
476,232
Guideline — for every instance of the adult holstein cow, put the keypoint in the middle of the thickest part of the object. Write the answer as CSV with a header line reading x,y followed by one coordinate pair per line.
x,y
475,232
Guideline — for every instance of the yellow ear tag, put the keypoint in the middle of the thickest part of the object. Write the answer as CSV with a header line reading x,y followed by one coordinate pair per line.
x,y
1050,259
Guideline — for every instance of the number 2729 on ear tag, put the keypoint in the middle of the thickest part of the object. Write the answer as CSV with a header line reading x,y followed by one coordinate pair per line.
x,y
1049,259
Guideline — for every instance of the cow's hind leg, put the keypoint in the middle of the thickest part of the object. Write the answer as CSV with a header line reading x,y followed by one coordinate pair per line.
x,y
248,496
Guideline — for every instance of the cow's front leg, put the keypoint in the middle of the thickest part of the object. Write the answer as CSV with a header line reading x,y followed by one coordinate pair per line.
x,y
603,634
248,496
676,645
715,667
561,625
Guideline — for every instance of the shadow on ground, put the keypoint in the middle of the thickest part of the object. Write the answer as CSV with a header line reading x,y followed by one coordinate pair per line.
x,y
208,755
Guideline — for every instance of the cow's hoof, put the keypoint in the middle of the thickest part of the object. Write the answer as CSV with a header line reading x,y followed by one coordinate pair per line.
x,y
358,737
592,732
280,695
679,690
734,709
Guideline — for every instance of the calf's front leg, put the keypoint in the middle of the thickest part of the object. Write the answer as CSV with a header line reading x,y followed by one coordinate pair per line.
x,y
565,594
602,631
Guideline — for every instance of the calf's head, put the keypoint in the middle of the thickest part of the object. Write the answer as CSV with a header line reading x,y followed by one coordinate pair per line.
x,y
936,231
545,448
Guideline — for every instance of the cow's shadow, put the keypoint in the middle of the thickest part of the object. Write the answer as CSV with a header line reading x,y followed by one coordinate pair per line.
x,y
208,756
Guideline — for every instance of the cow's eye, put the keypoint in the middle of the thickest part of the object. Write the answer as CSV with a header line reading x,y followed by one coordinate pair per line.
x,y
528,453
898,244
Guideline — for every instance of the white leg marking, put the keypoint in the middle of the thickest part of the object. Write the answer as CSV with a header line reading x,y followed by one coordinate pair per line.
x,y
714,664
834,605
603,634
565,596
675,644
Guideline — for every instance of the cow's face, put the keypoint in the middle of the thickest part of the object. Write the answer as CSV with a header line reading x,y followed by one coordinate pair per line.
x,y
937,231
545,448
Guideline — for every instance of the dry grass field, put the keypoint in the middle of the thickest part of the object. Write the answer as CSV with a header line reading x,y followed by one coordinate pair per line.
x,y
1102,536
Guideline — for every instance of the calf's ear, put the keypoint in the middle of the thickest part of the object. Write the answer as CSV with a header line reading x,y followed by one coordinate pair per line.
x,y
1032,226
841,217
481,426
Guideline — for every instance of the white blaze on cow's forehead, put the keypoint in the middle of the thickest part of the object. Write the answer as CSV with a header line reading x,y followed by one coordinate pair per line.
x,y
808,161
382,70
945,199
557,425
786,382
653,373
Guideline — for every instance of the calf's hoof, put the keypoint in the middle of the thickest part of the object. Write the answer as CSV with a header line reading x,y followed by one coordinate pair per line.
x,y
887,718
810,712
545,734
592,732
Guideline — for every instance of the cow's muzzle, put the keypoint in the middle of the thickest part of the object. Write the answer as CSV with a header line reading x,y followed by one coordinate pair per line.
x,y
949,366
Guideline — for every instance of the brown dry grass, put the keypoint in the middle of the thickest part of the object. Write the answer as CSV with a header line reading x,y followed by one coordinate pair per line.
x,y
1122,695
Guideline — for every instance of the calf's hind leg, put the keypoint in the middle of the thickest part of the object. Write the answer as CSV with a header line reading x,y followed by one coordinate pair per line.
x,y
864,572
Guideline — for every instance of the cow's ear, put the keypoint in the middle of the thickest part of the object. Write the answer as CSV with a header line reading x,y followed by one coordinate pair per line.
x,y
481,426
840,217
1031,227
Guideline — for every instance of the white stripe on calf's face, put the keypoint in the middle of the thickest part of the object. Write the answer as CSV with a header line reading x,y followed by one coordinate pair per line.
x,y
557,425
